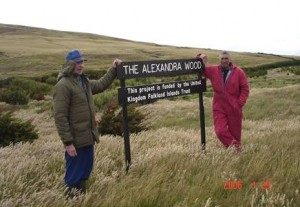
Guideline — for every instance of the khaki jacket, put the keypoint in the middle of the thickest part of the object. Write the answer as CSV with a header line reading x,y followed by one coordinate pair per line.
x,y
74,109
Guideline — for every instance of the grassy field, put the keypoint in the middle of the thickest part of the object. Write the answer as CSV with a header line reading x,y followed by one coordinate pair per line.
x,y
168,166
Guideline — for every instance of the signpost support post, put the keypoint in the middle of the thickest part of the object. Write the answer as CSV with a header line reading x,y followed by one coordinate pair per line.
x,y
126,131
202,115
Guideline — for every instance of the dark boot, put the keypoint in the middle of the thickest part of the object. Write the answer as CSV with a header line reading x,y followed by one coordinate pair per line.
x,y
82,186
71,191
75,190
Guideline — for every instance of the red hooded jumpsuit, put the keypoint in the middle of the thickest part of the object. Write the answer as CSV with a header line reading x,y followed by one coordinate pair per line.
x,y
228,100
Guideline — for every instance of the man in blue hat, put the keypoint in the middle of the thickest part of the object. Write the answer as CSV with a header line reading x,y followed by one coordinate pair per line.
x,y
74,114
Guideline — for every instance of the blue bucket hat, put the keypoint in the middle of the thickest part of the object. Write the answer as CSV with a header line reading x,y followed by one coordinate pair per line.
x,y
75,56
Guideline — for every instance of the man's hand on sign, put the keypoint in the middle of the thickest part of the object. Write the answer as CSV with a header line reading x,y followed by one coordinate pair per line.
x,y
203,57
116,62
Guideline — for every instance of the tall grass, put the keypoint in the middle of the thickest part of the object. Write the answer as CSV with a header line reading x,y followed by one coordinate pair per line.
x,y
169,168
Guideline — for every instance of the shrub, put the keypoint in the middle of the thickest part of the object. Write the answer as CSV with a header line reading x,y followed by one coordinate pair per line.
x,y
13,130
260,70
292,69
16,97
3,94
13,97
112,120
30,87
51,80
5,82
255,72
103,98
18,88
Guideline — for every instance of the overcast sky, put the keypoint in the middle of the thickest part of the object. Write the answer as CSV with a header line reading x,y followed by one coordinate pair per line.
x,y
269,26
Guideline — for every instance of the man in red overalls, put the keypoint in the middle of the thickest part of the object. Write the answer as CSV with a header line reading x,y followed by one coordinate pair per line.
x,y
231,90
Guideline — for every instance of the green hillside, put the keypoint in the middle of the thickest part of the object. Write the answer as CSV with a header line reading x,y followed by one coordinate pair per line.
x,y
32,51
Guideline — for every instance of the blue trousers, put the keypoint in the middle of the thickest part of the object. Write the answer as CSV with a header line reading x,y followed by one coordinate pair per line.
x,y
80,167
